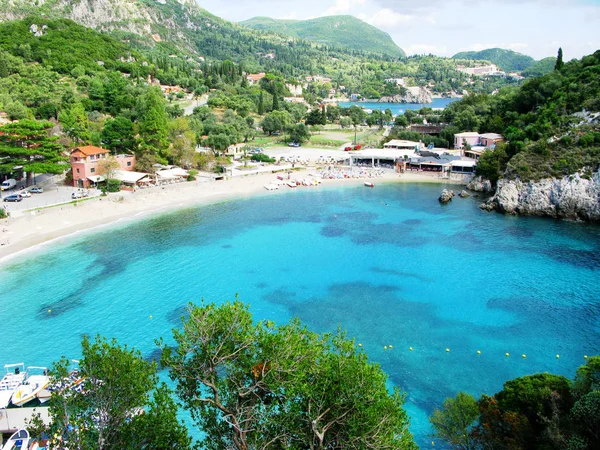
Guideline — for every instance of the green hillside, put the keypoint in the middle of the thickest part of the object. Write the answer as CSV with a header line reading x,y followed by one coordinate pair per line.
x,y
336,31
507,60
541,67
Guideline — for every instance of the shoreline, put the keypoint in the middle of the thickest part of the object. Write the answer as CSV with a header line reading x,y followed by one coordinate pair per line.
x,y
33,231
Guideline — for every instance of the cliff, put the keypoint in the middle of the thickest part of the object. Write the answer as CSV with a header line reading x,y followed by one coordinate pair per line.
x,y
571,197
412,95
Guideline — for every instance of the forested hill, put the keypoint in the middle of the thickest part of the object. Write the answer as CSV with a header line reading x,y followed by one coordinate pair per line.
x,y
336,31
551,123
507,60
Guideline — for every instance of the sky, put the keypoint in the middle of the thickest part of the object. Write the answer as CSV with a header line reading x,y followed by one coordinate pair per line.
x,y
445,27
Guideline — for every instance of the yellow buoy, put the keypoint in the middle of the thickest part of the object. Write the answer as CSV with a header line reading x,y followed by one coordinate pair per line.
x,y
385,347
447,350
391,346
524,355
585,356
411,349
557,356
360,345
507,354
479,352
49,311
151,317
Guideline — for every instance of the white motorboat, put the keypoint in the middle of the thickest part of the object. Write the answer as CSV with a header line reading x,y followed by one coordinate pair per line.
x,y
32,385
15,374
369,184
271,187
18,441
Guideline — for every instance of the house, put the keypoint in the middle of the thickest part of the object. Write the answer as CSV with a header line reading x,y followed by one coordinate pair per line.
x,y
295,89
254,78
490,139
86,167
470,138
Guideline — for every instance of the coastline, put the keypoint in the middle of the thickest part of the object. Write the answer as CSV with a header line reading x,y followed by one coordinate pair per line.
x,y
36,229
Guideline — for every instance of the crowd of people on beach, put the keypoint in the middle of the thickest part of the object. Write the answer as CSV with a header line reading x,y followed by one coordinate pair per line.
x,y
333,173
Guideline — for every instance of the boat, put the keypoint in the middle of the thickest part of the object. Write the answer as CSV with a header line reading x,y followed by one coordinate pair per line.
x,y
15,374
74,383
271,187
30,388
292,184
369,184
18,441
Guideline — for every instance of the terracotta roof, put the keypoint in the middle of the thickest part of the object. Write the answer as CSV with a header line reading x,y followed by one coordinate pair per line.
x,y
90,150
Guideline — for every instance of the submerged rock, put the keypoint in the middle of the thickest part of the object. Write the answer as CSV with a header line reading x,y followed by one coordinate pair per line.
x,y
464,194
446,196
572,197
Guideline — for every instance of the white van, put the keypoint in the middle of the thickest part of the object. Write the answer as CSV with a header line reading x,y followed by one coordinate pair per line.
x,y
8,184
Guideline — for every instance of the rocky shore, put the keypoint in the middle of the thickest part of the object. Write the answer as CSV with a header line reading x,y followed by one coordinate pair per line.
x,y
572,197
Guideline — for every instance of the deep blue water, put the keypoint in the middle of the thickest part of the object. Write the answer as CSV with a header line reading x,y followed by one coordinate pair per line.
x,y
400,108
390,265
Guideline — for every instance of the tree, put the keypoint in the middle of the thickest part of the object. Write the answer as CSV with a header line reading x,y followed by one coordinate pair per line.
x,y
105,413
314,117
75,123
16,111
559,61
257,385
261,104
183,142
118,135
453,422
27,144
107,167
299,133
276,121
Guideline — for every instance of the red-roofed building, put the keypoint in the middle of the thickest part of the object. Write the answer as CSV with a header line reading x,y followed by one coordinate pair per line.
x,y
85,164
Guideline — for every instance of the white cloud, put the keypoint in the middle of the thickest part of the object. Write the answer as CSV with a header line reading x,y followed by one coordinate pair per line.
x,y
343,7
386,18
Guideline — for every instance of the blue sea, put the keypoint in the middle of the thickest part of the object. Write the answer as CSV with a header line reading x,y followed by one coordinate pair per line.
x,y
390,265
400,108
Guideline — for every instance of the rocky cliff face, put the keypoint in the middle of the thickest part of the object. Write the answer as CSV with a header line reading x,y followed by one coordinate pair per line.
x,y
572,198
413,95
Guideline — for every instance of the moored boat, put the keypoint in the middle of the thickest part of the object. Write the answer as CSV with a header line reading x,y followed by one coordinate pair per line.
x,y
369,184
15,373
18,441
292,184
30,388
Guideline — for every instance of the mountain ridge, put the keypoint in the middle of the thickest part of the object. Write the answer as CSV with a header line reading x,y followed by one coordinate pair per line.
x,y
507,60
338,31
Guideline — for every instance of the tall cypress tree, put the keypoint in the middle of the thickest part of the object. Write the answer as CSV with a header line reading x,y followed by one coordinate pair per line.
x,y
324,115
275,103
261,104
559,60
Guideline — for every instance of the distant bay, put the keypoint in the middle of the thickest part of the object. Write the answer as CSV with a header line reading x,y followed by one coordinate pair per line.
x,y
400,108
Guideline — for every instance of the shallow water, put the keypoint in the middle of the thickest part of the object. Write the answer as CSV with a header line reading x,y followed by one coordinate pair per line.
x,y
390,265
401,108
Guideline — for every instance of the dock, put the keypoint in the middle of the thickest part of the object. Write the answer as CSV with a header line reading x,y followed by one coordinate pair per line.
x,y
12,419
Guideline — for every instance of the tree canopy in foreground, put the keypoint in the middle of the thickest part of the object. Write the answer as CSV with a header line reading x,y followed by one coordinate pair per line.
x,y
259,386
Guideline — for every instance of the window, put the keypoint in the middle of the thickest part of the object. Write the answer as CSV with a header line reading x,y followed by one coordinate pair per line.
x,y
77,170
128,163
92,170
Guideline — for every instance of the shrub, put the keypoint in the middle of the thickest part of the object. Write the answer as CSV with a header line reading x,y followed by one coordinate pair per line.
x,y
3,213
113,185
261,157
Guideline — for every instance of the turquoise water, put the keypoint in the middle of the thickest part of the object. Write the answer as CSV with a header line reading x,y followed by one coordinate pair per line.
x,y
390,265
398,108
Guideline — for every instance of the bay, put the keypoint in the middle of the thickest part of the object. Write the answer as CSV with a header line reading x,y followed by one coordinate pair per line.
x,y
400,108
390,265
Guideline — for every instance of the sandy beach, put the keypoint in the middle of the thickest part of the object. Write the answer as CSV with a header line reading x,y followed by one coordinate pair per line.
x,y
34,228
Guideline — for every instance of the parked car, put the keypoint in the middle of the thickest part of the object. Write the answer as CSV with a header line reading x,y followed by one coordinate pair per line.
x,y
8,184
293,144
36,190
13,198
357,147
347,149
79,194
24,193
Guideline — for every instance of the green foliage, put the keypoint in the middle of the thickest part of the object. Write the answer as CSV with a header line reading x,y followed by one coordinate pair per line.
x,y
541,67
261,157
492,164
559,61
333,31
247,384
507,60
299,133
113,185
453,422
27,144
118,135
105,413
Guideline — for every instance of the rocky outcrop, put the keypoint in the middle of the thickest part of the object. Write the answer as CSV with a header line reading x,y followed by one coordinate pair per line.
x,y
464,194
478,184
572,198
414,94
446,196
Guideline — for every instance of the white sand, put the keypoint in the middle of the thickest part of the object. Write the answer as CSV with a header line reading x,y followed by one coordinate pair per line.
x,y
39,227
